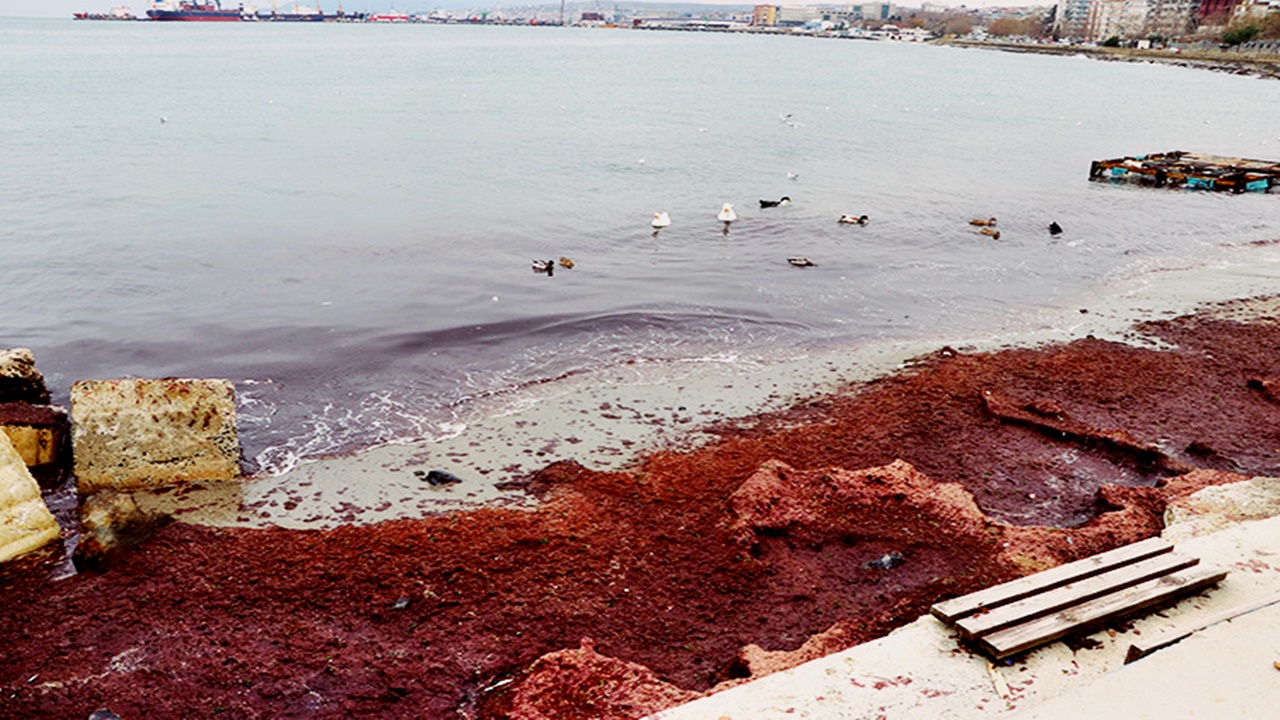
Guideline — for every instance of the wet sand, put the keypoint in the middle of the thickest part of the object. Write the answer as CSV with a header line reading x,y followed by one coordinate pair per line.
x,y
687,560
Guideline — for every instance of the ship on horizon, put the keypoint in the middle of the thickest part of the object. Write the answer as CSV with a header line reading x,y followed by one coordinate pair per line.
x,y
187,11
119,12
302,13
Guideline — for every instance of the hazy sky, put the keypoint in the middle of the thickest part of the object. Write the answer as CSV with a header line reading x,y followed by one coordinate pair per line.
x,y
65,8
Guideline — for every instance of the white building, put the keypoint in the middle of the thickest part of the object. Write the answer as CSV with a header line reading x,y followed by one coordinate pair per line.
x,y
1071,18
797,15
1117,18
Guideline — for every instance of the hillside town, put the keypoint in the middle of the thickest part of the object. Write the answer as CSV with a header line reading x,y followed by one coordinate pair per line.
x,y
1130,23
1252,25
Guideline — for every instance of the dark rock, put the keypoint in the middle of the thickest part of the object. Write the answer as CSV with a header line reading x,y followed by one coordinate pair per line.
x,y
440,477
888,561
111,522
20,381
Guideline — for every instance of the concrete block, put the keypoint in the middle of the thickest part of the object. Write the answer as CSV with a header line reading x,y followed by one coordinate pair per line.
x,y
20,381
36,431
141,434
25,521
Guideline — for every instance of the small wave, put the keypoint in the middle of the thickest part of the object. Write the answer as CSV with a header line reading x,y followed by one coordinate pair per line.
x,y
423,386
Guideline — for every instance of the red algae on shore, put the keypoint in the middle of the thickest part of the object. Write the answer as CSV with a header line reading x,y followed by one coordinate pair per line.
x,y
791,536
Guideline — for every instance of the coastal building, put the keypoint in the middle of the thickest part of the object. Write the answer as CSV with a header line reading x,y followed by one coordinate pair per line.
x,y
871,11
1254,10
1071,18
797,15
764,16
1216,12
845,16
1171,18
1124,19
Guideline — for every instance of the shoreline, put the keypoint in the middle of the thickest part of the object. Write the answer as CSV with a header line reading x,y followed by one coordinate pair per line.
x,y
1257,64
606,420
670,574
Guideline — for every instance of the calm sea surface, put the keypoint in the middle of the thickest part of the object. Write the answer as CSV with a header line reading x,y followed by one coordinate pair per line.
x,y
341,218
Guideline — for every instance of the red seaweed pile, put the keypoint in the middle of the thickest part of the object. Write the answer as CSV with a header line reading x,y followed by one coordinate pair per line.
x,y
793,535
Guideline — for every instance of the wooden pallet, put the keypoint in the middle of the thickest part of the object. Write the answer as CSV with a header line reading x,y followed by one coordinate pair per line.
x,y
1007,619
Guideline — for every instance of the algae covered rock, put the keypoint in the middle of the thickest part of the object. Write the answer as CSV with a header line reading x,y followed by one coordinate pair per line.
x,y
111,522
20,381
25,521
38,432
140,434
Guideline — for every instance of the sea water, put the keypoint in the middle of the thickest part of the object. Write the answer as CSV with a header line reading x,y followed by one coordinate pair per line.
x,y
341,218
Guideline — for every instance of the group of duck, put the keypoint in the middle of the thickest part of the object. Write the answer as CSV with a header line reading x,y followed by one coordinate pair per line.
x,y
988,227
728,215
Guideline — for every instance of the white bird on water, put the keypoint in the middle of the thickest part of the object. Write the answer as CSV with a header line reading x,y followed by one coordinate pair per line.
x,y
727,215
793,176
660,220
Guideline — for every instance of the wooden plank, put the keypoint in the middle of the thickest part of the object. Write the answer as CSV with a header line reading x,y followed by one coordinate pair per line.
x,y
1167,637
949,611
1074,593
1046,629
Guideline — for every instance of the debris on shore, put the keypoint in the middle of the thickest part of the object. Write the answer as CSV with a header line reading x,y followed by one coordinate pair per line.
x,y
1195,171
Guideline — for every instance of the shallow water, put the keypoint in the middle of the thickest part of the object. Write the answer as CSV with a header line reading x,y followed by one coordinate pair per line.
x,y
341,218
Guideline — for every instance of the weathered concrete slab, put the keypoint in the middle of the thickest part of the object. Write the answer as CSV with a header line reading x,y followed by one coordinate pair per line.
x,y
36,431
20,381
138,434
25,522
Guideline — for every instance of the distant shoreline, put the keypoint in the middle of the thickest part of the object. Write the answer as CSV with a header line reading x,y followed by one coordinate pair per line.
x,y
1258,64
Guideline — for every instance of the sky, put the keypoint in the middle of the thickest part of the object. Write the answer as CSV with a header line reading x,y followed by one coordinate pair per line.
x,y
65,8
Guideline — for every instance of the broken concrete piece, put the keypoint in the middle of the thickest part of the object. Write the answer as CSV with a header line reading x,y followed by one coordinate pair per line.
x,y
20,381
25,521
36,431
137,434
111,522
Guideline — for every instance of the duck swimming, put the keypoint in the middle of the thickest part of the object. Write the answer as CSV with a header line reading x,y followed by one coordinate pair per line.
x,y
1055,228
660,220
991,233
566,263
802,262
853,220
544,266
775,203
989,222
727,214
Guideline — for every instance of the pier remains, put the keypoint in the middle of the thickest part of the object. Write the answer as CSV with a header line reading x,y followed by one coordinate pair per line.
x,y
1197,171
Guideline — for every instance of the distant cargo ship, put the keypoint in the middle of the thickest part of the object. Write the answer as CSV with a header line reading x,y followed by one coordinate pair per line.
x,y
119,12
184,11
298,14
